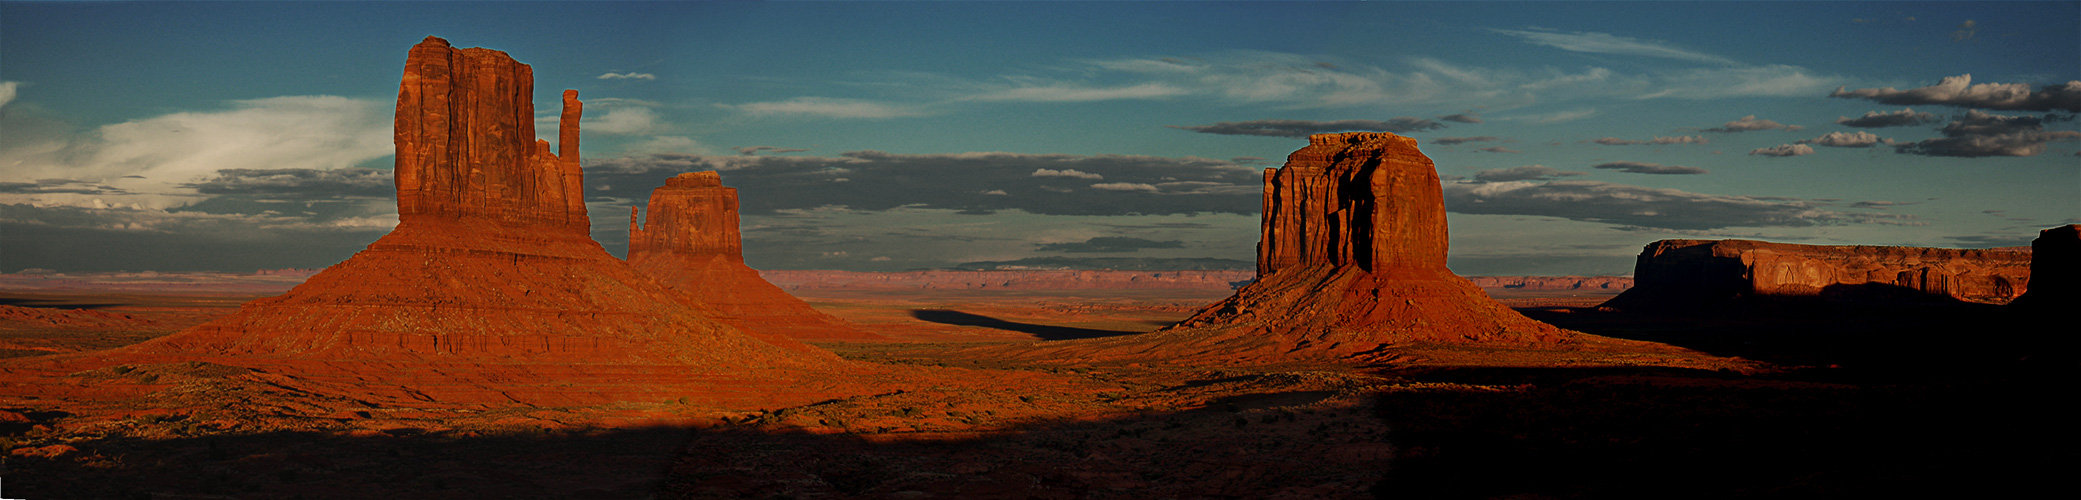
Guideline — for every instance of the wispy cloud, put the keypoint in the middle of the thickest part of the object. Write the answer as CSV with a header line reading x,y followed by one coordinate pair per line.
x,y
1108,244
1304,128
1448,141
1554,117
7,92
826,107
1751,124
627,76
755,150
1658,140
978,182
1080,93
1524,173
1634,167
1605,43
1636,206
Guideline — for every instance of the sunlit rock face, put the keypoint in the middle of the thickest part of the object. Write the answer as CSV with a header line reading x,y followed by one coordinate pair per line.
x,y
690,242
1699,273
491,290
1351,264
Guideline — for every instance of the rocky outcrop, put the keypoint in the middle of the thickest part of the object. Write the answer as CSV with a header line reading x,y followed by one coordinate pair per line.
x,y
466,146
490,290
1351,265
2055,270
1370,201
1701,273
690,242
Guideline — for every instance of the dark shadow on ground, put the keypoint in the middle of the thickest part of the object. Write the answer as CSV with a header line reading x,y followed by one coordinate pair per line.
x,y
1458,433
1889,340
1044,332
53,303
1609,434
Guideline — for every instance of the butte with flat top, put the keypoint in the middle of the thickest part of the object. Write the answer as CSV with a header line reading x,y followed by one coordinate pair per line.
x,y
692,244
1351,268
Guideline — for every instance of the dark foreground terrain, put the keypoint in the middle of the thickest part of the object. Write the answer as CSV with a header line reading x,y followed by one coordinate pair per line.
x,y
1821,403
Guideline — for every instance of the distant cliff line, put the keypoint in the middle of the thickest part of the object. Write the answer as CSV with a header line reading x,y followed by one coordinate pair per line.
x,y
277,281
1103,280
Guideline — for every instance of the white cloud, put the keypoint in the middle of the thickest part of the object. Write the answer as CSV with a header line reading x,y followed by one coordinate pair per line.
x,y
623,120
1605,43
1784,150
1960,91
1067,172
1859,139
825,107
7,92
153,157
628,76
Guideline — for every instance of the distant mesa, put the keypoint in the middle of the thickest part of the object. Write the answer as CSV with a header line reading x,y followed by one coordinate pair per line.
x,y
1689,274
1351,263
491,290
690,242
2055,271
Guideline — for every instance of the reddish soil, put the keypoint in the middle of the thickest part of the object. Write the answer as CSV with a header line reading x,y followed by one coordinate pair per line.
x,y
1438,422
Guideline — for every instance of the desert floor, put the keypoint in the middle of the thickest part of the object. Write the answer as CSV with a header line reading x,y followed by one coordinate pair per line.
x,y
1827,402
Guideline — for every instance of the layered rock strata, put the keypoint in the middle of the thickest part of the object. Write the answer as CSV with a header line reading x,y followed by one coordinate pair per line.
x,y
2055,270
690,242
1699,273
491,290
1351,265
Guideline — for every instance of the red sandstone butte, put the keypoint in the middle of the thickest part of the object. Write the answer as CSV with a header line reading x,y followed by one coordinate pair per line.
x,y
690,242
1696,273
491,290
2055,271
1352,263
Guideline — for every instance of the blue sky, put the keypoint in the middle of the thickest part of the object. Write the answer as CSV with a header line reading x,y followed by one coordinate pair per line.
x,y
893,135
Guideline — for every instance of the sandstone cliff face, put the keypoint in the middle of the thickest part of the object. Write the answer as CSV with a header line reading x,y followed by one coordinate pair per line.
x,y
2055,270
1366,200
466,146
692,215
1689,273
1352,264
690,242
490,290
